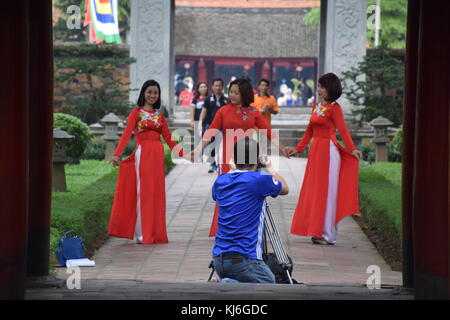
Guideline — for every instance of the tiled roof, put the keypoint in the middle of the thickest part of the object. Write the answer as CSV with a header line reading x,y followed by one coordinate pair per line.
x,y
244,34
248,3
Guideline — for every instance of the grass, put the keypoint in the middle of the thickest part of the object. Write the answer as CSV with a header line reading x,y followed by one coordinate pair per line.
x,y
380,202
86,207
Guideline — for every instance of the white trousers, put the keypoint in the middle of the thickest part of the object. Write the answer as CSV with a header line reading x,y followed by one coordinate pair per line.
x,y
329,226
215,145
137,162
197,137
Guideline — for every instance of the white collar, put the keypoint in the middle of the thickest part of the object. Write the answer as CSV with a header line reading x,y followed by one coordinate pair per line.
x,y
238,170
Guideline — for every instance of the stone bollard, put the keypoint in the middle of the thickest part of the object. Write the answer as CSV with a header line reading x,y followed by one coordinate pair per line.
x,y
381,138
60,139
111,124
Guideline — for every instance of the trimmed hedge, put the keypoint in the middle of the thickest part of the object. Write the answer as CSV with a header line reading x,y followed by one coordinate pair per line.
x,y
87,206
380,199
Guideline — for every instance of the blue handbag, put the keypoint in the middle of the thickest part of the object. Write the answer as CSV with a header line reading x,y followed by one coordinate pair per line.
x,y
69,248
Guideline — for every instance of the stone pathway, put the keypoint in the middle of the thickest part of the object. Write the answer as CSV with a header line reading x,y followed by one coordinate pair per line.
x,y
187,255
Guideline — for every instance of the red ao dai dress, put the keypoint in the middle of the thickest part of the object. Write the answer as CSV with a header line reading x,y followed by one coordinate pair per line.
x,y
139,201
235,123
330,186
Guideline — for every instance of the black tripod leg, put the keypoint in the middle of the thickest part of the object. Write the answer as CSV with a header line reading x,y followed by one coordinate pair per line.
x,y
211,266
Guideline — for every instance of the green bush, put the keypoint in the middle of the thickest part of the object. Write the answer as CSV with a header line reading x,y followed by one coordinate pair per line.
x,y
94,151
168,163
129,149
395,147
368,152
75,127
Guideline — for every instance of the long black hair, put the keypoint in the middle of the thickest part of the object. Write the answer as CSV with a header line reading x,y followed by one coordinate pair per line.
x,y
197,92
141,99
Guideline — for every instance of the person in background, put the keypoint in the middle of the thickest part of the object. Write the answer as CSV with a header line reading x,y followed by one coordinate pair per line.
x,y
305,92
283,87
179,87
264,102
201,91
212,104
186,97
289,99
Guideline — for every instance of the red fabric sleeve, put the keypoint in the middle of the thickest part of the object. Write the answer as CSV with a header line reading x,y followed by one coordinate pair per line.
x,y
338,118
168,138
304,141
262,123
126,135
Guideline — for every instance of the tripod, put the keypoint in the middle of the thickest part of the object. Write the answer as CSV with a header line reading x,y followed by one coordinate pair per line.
x,y
277,245
271,232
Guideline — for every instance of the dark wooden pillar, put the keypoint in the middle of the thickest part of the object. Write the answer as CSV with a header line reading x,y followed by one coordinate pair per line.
x,y
431,153
14,147
409,116
40,136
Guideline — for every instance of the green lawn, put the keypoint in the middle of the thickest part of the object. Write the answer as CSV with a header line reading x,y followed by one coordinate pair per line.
x,y
380,198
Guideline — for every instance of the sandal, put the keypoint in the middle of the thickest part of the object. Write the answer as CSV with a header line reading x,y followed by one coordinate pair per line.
x,y
317,240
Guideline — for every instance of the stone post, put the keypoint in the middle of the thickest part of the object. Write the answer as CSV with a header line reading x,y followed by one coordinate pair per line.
x,y
60,139
342,38
111,123
381,138
152,38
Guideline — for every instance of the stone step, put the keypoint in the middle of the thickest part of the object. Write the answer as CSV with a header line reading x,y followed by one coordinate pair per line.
x,y
296,109
179,115
180,112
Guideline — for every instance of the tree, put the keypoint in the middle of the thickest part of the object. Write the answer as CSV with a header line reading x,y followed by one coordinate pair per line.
x,y
380,94
393,22
91,89
312,18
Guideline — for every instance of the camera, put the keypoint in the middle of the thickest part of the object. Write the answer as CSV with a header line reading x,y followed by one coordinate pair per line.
x,y
262,160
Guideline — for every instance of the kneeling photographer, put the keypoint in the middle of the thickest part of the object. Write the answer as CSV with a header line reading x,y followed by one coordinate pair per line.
x,y
240,195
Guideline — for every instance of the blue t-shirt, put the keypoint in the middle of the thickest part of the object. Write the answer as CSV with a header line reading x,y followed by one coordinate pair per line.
x,y
240,196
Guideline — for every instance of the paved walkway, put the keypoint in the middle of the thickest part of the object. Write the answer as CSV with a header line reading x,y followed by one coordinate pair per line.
x,y
187,255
